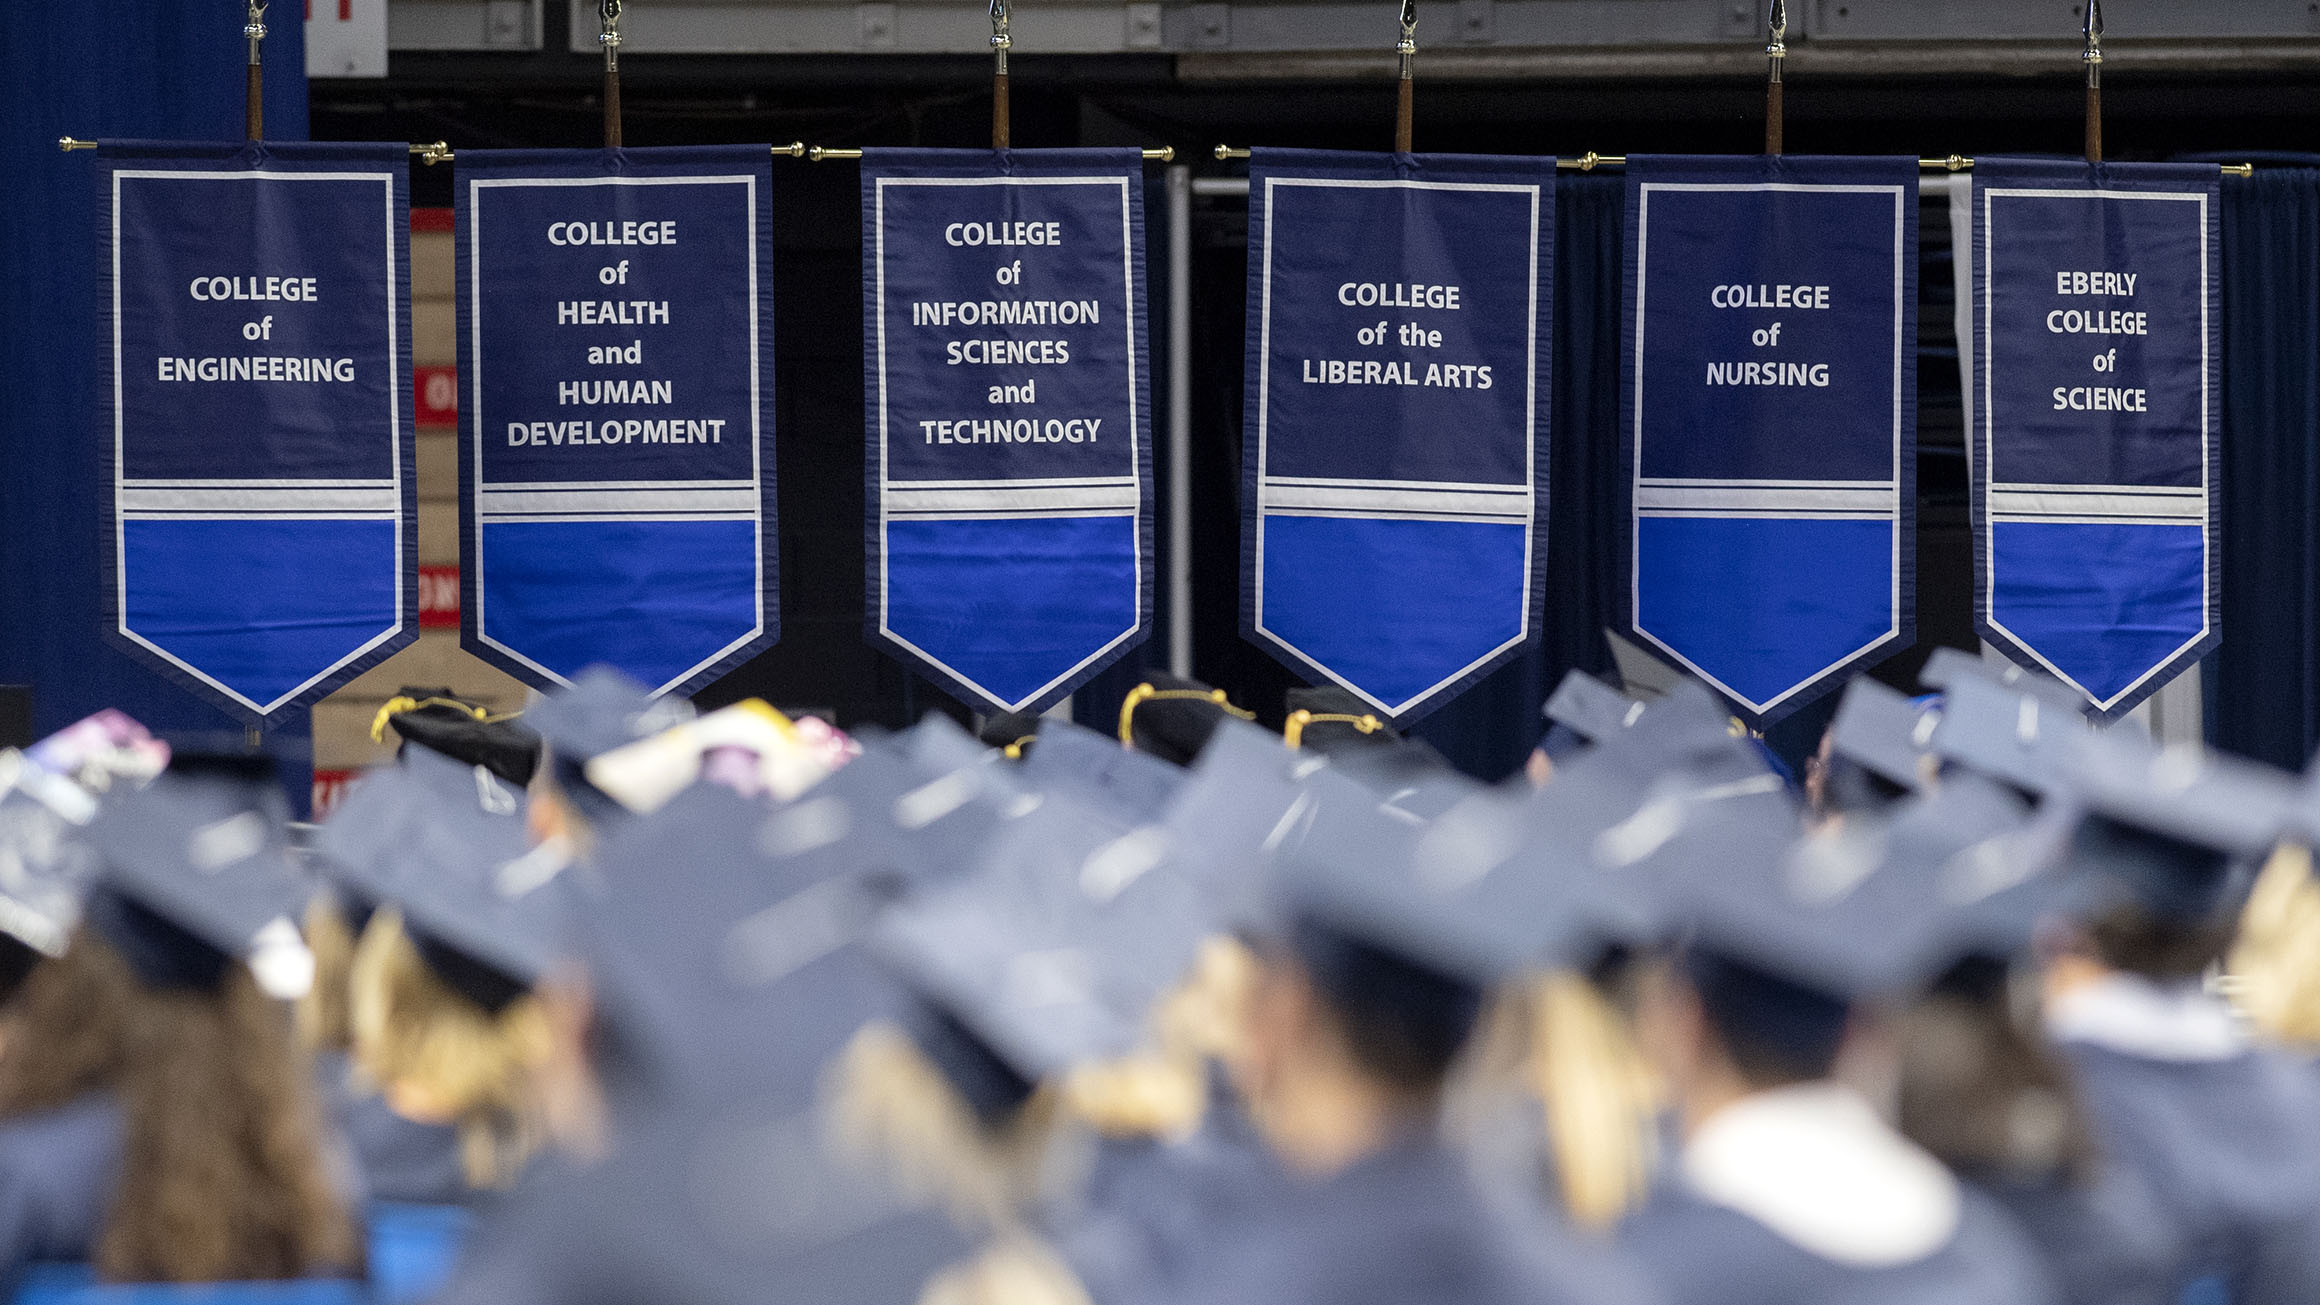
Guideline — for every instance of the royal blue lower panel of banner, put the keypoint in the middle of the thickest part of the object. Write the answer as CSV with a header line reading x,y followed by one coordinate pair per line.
x,y
261,537
1769,419
2097,365
616,477
1009,466
1394,476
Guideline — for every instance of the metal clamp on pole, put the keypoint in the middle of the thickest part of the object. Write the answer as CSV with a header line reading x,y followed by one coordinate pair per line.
x,y
254,91
2093,58
1407,47
1001,41
609,37
1776,57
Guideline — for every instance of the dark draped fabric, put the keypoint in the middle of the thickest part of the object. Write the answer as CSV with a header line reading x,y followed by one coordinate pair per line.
x,y
2263,685
1490,729
161,69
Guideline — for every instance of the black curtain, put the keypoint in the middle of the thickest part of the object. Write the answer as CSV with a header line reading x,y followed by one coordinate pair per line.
x,y
2263,684
1490,728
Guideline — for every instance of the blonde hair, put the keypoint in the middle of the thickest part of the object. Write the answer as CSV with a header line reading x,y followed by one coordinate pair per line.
x,y
325,1021
1164,1092
1017,1270
1601,1099
416,1035
893,1110
2275,967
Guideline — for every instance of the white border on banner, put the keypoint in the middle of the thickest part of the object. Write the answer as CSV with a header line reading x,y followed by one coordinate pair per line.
x,y
1133,480
1900,196
1989,424
756,513
395,386
1528,487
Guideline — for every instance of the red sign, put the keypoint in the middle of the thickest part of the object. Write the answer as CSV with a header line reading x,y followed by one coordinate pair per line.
x,y
439,598
330,786
436,402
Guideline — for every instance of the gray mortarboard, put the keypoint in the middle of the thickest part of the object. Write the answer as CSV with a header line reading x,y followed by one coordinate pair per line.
x,y
485,909
727,961
1098,771
196,875
355,849
1588,711
2181,831
1171,717
602,710
1050,953
1687,729
937,745
734,1204
2007,734
45,864
1949,665
1885,733
442,722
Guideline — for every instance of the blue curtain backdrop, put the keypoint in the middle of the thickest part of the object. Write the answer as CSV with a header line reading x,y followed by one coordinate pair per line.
x,y
2263,684
157,69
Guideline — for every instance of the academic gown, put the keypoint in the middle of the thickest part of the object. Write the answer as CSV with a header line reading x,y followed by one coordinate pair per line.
x,y
1403,1226
2108,1241
402,1160
2232,1148
1151,1206
1803,1196
58,1170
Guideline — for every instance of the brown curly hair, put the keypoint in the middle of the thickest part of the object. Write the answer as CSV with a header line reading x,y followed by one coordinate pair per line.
x,y
223,1176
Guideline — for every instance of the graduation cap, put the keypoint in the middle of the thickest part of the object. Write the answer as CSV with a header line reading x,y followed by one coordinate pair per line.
x,y
1171,717
442,722
484,908
748,746
361,848
937,745
2008,734
602,710
1884,734
197,874
1588,711
1050,953
2179,830
1092,769
727,960
100,750
1011,732
1949,665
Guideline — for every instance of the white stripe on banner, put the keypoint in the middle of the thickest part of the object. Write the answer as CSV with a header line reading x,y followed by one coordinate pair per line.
x,y
1284,496
212,500
2134,504
1829,500
1012,498
733,501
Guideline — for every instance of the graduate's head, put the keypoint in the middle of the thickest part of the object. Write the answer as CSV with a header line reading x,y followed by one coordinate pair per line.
x,y
1768,1030
602,710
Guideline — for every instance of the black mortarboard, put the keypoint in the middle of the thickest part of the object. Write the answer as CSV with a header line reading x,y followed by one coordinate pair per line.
x,y
602,710
196,873
1171,717
1012,732
443,722
1093,769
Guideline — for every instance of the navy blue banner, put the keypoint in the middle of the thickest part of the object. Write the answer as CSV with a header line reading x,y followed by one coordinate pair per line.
x,y
261,537
616,484
2097,357
1394,500
1009,476
1769,419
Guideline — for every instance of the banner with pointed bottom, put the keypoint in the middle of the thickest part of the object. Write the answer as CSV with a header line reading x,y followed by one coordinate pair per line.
x,y
1394,476
616,470
1009,468
1769,419
261,532
2098,417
